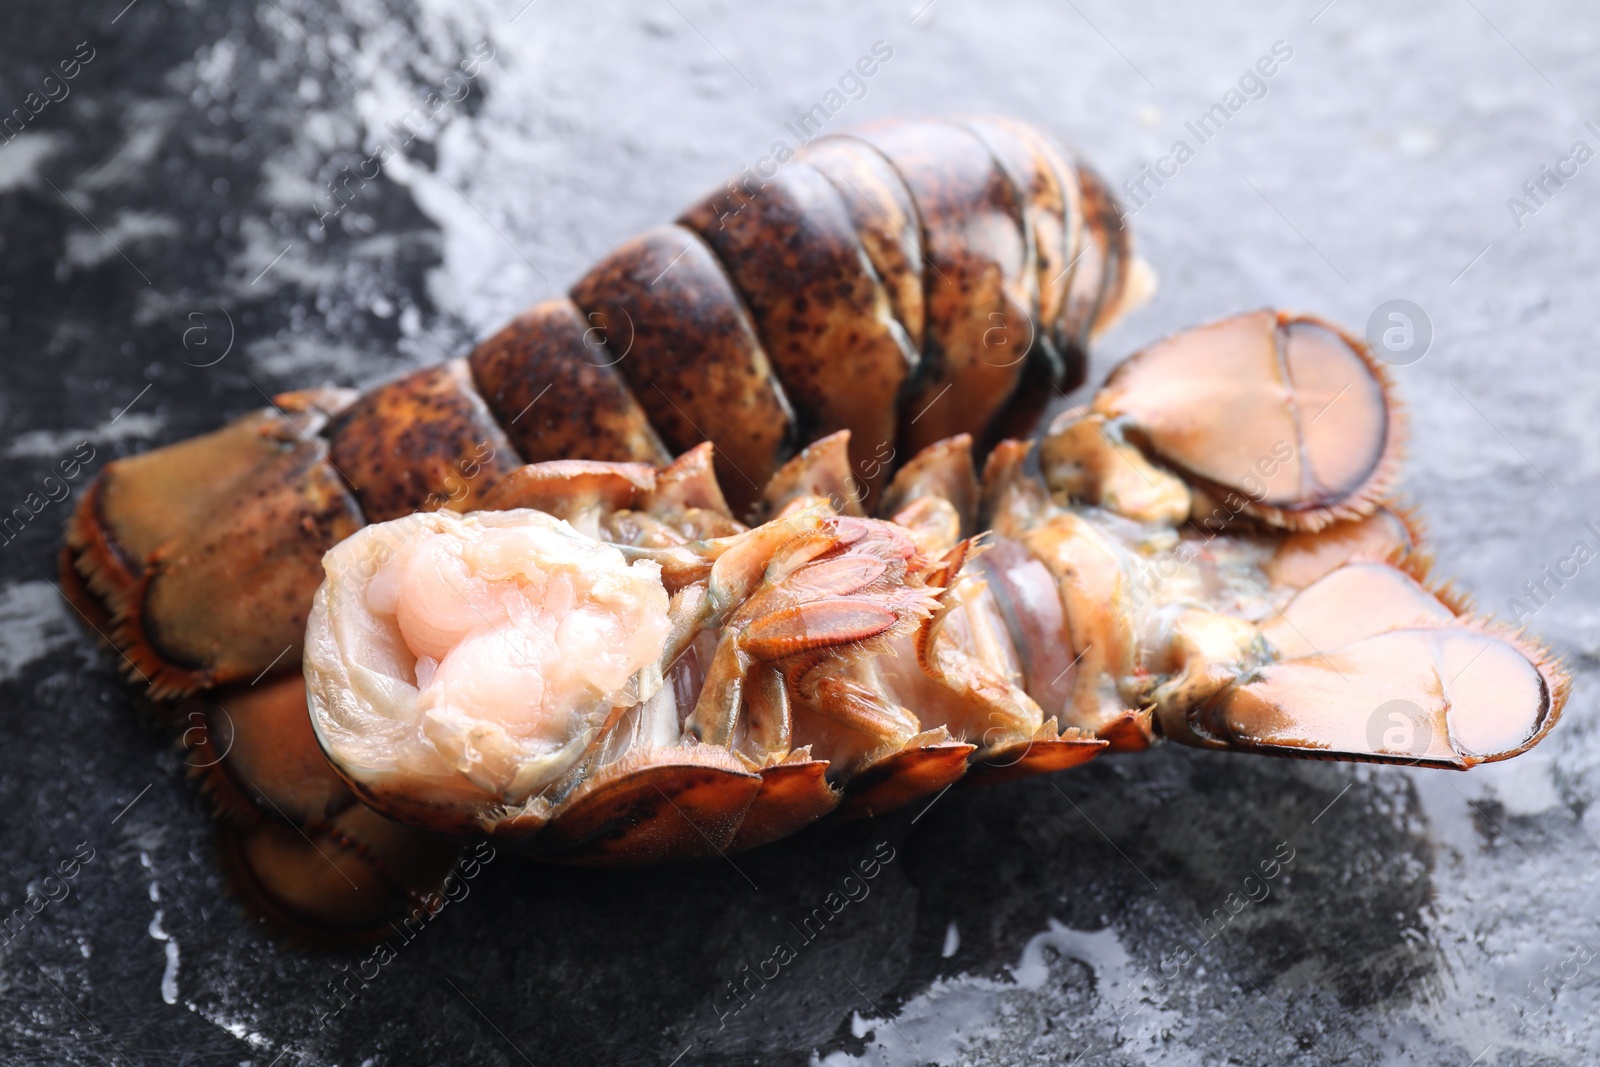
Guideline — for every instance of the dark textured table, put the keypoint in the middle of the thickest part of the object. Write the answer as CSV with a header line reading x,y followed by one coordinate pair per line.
x,y
169,250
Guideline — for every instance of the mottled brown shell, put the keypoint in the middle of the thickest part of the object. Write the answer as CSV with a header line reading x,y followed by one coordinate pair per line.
x,y
554,386
687,346
421,443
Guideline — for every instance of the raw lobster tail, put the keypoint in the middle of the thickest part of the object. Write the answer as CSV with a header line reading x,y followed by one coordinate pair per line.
x,y
523,619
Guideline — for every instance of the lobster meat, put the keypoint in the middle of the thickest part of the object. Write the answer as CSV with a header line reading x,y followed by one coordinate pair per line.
x,y
522,619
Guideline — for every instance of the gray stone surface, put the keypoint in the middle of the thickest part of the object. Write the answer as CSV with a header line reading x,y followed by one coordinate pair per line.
x,y
171,191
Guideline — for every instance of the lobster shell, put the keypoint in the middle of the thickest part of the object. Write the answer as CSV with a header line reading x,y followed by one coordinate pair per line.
x,y
898,301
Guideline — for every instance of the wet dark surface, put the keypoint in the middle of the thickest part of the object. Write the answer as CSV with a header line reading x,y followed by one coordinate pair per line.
x,y
165,209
